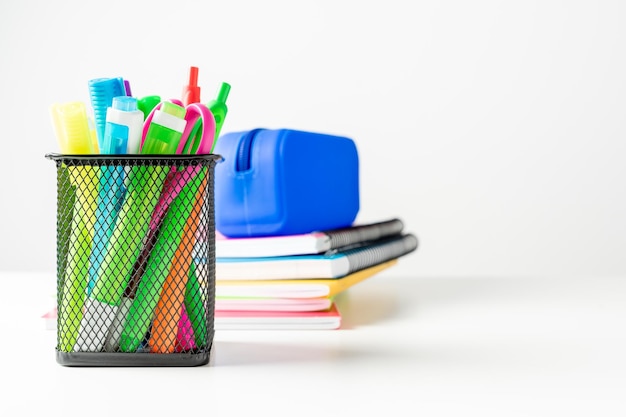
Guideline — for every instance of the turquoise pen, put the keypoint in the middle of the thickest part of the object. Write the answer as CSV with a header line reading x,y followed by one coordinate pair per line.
x,y
122,135
144,188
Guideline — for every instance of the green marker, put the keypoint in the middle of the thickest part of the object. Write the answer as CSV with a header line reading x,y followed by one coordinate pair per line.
x,y
147,104
219,109
144,189
195,306
77,263
148,292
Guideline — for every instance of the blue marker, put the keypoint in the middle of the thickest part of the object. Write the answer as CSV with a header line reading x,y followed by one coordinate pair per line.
x,y
124,125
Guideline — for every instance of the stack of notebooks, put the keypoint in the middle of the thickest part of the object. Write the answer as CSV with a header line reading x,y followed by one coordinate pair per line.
x,y
290,282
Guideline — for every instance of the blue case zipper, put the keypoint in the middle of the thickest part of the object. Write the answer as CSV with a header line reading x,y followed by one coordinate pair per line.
x,y
244,151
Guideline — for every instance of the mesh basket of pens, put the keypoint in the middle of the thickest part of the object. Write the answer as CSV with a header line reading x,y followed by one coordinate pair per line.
x,y
134,287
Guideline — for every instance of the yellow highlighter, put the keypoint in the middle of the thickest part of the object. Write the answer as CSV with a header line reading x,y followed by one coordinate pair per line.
x,y
71,125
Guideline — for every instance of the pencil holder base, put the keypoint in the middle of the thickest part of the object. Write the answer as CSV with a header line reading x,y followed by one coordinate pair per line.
x,y
115,359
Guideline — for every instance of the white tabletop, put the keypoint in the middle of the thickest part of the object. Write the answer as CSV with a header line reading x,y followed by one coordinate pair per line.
x,y
408,346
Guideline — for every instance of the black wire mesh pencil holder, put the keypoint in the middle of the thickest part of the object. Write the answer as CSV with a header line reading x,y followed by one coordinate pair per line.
x,y
135,259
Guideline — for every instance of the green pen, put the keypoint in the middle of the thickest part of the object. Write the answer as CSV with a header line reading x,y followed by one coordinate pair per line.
x,y
66,196
195,306
71,126
145,184
194,302
147,104
142,308
219,109
77,263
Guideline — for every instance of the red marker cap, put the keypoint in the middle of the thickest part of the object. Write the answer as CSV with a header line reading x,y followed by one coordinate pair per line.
x,y
191,92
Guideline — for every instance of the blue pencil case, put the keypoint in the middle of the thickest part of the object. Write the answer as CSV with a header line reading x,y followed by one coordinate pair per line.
x,y
282,182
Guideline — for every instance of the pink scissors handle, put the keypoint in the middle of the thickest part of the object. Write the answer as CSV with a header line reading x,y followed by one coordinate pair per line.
x,y
176,180
197,111
146,123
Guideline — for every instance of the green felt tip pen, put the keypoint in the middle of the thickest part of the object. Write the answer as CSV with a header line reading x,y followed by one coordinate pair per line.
x,y
65,200
142,308
195,305
219,109
147,104
143,191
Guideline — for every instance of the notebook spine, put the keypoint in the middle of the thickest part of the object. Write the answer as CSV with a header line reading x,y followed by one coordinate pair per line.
x,y
361,258
358,234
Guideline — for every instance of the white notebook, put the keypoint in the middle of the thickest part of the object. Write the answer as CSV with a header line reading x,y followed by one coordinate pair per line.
x,y
334,264
304,244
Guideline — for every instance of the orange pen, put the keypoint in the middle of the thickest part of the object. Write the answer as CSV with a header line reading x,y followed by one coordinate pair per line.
x,y
168,309
167,316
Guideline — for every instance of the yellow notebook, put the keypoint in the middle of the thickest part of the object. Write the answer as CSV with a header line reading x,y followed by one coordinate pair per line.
x,y
295,288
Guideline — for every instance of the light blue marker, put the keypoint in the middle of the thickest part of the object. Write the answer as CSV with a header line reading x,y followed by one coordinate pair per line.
x,y
122,134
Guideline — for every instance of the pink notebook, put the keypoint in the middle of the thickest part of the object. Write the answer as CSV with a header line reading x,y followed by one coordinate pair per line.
x,y
278,320
272,304
329,319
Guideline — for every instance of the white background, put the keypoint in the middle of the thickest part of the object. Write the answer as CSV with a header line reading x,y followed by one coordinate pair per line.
x,y
494,129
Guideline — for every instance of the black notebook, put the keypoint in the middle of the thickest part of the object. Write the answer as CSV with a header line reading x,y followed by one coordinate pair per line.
x,y
332,264
305,244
